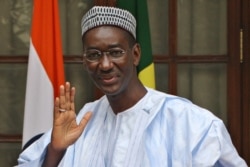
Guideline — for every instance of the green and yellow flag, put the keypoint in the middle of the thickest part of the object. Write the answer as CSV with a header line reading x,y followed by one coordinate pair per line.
x,y
140,10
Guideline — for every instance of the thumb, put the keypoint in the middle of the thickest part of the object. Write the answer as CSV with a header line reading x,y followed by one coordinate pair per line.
x,y
85,119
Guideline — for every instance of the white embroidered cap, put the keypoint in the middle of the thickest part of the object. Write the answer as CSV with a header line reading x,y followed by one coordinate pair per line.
x,y
103,15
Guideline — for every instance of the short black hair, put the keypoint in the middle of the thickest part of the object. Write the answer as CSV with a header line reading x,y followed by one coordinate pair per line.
x,y
131,40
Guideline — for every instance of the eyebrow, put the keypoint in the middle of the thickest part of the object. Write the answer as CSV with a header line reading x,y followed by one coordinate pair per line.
x,y
111,46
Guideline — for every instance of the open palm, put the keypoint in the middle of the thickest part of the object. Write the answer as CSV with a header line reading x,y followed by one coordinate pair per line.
x,y
65,128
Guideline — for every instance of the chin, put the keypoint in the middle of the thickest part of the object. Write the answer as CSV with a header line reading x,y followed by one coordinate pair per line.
x,y
110,90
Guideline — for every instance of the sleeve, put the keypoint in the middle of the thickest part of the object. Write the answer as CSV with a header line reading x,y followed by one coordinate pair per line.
x,y
24,163
216,148
34,155
229,156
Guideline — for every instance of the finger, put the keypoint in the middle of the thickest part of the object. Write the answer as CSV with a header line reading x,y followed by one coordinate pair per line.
x,y
56,108
72,99
62,97
67,95
85,120
72,94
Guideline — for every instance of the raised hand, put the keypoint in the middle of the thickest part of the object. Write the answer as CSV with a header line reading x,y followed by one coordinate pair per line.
x,y
65,128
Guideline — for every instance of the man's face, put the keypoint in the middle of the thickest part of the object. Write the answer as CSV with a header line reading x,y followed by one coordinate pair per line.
x,y
110,74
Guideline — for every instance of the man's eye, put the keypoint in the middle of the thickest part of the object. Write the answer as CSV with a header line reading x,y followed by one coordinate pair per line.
x,y
115,53
93,56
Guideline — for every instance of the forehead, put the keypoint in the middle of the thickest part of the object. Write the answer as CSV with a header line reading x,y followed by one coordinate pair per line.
x,y
103,33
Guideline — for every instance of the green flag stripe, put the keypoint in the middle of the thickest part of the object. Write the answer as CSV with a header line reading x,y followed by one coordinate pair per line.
x,y
142,30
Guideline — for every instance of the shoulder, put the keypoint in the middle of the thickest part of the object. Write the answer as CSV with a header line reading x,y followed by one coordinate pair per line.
x,y
180,116
93,107
176,106
35,150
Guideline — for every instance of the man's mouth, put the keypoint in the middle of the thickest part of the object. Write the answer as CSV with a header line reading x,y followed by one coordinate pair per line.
x,y
107,79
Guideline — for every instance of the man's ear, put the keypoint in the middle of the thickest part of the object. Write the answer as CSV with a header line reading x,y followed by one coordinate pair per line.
x,y
136,53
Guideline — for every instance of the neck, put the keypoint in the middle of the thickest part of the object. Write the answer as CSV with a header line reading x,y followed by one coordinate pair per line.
x,y
127,98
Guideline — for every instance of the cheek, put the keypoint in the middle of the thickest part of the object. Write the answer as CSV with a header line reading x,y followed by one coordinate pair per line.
x,y
90,68
129,66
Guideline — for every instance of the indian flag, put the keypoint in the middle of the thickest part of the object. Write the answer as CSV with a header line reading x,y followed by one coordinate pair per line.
x,y
140,10
45,69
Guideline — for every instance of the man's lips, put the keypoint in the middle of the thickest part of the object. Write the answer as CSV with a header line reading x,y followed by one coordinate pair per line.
x,y
107,79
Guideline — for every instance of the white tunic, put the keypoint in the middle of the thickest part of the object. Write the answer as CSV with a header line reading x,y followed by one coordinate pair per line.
x,y
159,131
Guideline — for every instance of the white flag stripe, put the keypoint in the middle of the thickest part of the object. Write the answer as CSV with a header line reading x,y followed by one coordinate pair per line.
x,y
39,98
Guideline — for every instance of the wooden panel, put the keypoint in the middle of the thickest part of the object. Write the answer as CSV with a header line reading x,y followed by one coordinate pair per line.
x,y
173,46
246,79
234,74
105,2
10,138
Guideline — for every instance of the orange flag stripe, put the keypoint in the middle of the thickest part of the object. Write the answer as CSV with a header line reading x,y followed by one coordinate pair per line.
x,y
46,37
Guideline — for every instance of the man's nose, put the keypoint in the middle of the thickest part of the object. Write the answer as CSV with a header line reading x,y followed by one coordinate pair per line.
x,y
105,62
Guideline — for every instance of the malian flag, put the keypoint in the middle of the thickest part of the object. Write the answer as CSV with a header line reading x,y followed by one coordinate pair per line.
x,y
45,68
139,9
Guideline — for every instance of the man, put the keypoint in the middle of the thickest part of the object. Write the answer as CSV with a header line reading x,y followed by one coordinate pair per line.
x,y
131,125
